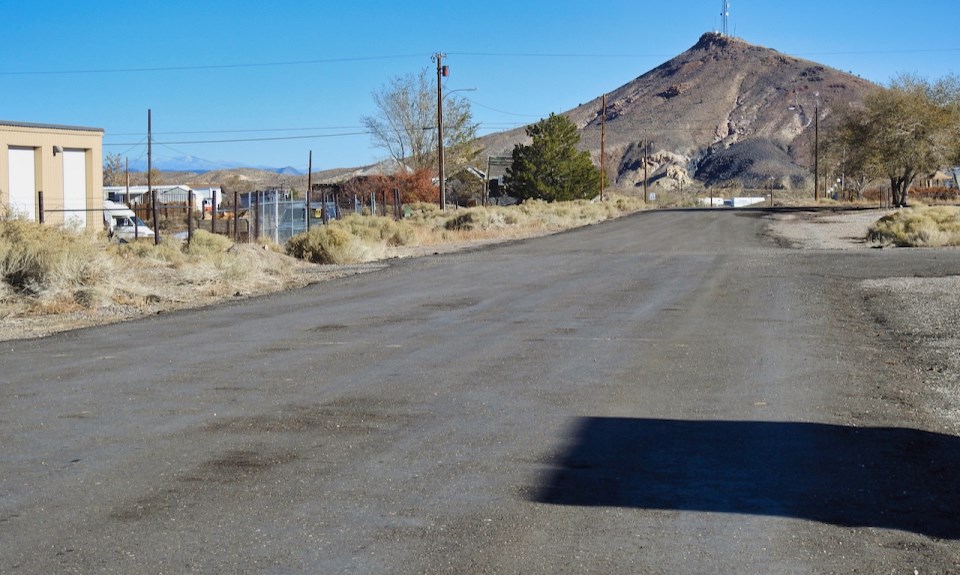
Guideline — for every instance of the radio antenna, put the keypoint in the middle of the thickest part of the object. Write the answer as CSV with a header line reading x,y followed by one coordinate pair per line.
x,y
725,17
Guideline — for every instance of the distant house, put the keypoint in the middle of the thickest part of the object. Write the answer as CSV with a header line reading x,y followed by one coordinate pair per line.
x,y
939,179
52,173
203,198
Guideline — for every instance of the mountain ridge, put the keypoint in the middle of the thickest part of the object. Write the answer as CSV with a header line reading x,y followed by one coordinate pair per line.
x,y
199,165
724,111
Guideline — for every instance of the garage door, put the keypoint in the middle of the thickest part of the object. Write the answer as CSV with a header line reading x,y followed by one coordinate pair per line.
x,y
75,188
23,183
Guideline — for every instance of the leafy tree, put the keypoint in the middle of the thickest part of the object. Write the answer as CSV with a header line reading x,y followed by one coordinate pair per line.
x,y
113,170
902,132
417,186
551,168
405,124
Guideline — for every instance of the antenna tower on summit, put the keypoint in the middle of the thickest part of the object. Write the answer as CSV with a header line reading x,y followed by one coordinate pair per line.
x,y
725,17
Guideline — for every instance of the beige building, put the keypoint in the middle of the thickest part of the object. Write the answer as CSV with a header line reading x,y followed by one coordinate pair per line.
x,y
52,174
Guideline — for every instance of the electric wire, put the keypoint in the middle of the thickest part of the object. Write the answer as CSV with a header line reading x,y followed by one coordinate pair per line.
x,y
240,140
557,55
208,66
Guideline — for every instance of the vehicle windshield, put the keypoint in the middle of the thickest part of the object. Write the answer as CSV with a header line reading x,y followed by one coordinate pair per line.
x,y
128,222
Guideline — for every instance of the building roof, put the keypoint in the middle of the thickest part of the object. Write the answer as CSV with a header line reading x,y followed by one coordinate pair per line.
x,y
49,126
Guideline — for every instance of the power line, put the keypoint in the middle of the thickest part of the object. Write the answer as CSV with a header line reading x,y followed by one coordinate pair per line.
x,y
574,55
487,125
555,55
241,65
210,66
238,140
878,52
241,131
475,103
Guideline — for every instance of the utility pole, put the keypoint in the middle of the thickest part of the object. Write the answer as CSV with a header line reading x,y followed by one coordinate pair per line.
x,y
309,186
150,191
646,146
816,152
442,72
603,140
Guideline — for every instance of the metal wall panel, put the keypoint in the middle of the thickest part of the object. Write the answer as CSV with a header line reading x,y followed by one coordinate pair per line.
x,y
22,182
75,188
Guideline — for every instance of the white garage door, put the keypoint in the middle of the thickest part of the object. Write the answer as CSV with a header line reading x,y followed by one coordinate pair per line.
x,y
75,188
23,183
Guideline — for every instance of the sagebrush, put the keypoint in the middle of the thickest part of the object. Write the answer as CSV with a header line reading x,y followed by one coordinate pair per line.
x,y
919,226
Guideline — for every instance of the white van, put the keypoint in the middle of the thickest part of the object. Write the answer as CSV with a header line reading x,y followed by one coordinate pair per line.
x,y
122,224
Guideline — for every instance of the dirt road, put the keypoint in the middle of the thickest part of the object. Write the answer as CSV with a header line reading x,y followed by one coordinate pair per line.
x,y
674,392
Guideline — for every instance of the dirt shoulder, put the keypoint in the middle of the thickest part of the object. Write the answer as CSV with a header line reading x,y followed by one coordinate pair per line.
x,y
830,231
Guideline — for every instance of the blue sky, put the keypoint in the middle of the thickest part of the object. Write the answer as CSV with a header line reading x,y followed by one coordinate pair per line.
x,y
296,76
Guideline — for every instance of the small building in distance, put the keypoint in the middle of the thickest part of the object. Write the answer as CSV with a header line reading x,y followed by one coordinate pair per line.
x,y
52,173
207,199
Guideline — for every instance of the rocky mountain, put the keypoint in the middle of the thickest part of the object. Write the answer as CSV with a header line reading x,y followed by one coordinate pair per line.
x,y
723,112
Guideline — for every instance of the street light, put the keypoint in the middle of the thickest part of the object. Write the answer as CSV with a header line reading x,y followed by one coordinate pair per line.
x,y
442,72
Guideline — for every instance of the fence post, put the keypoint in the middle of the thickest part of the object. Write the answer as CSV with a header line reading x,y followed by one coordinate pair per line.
x,y
40,205
256,217
189,216
156,225
236,213
307,208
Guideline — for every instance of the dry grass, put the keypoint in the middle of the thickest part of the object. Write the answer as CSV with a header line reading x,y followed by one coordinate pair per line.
x,y
918,226
358,239
49,270
45,270
331,244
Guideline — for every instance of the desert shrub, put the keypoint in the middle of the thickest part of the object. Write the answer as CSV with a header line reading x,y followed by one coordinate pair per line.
x,y
424,210
484,219
326,245
204,242
38,260
465,221
377,229
168,252
919,226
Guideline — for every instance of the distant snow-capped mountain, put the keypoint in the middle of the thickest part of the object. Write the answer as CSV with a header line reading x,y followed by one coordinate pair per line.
x,y
201,165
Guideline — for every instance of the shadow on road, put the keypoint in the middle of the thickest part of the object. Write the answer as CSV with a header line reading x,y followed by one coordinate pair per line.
x,y
858,477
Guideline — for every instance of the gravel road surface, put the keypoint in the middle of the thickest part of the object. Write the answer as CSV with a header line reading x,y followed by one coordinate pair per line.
x,y
672,392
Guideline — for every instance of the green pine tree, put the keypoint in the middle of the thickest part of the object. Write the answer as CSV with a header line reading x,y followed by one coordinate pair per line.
x,y
551,168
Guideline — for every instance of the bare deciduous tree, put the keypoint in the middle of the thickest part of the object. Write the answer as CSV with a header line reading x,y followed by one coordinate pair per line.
x,y
406,123
113,170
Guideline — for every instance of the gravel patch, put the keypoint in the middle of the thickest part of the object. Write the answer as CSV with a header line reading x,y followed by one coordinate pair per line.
x,y
926,313
836,231
923,312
